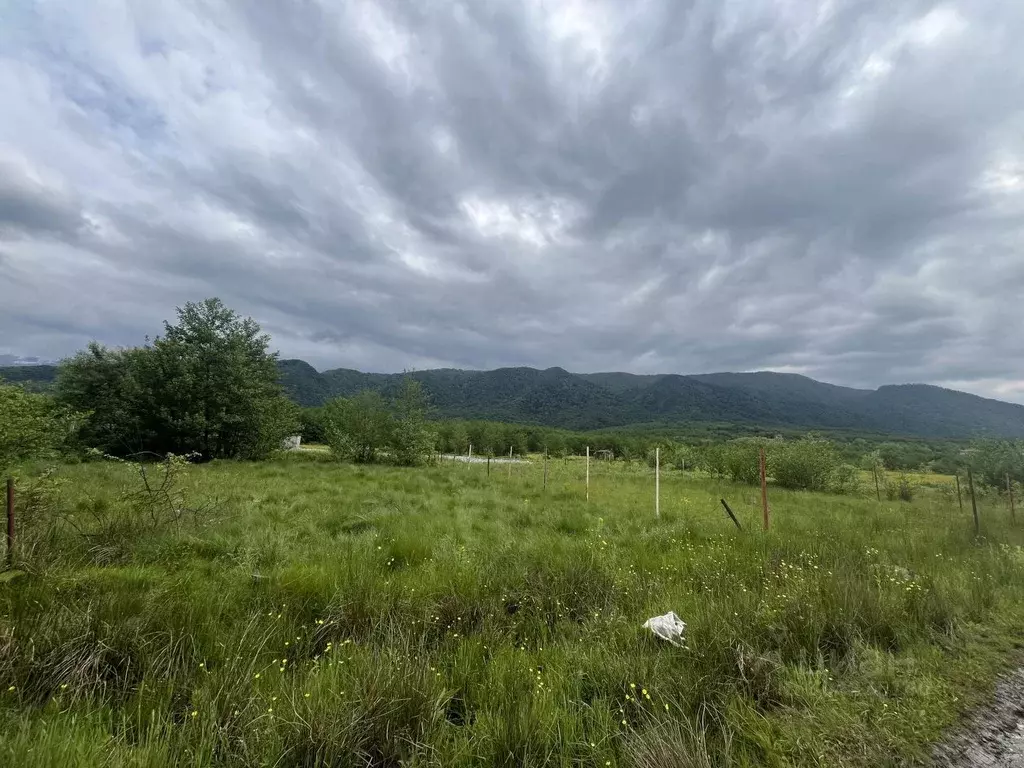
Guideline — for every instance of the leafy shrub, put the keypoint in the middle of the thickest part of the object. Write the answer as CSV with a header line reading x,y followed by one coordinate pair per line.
x,y
742,460
712,459
31,425
357,427
410,440
994,460
810,464
365,427
845,479
900,489
153,503
311,425
37,503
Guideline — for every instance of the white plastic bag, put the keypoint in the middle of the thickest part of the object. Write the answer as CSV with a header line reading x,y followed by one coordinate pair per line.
x,y
668,627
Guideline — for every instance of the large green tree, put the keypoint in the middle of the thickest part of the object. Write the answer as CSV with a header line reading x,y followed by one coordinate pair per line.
x,y
117,389
208,386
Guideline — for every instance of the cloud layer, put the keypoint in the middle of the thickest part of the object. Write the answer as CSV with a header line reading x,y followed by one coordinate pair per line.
x,y
831,188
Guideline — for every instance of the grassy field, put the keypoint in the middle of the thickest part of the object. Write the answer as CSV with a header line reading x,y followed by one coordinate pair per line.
x,y
319,614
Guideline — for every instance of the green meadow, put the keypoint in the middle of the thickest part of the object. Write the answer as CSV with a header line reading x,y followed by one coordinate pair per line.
x,y
306,612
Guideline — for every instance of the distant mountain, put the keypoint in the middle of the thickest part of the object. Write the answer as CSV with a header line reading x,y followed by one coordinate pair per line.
x,y
555,397
34,377
8,361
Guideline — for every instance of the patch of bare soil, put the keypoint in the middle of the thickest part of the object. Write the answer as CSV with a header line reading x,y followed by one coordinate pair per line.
x,y
993,735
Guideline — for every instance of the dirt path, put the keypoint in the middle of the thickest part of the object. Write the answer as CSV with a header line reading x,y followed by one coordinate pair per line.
x,y
992,736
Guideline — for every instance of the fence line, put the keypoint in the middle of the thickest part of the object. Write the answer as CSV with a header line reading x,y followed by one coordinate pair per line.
x,y
570,474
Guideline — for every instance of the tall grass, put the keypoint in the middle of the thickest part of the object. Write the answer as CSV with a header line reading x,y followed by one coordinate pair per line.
x,y
330,615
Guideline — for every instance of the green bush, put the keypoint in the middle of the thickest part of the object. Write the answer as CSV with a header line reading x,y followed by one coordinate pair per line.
x,y
366,427
900,489
993,460
358,427
845,480
31,426
311,425
411,439
712,459
809,464
742,460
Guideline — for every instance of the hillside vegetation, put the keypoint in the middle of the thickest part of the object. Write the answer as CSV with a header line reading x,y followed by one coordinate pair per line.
x,y
554,397
557,398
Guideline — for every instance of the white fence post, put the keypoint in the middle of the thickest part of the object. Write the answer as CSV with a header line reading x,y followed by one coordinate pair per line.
x,y
588,473
657,482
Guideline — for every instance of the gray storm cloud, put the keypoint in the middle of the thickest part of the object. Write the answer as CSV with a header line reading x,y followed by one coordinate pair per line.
x,y
830,188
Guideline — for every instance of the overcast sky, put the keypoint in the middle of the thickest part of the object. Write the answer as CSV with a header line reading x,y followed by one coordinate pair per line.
x,y
830,188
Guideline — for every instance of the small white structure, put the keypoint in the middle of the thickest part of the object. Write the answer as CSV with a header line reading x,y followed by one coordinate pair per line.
x,y
291,443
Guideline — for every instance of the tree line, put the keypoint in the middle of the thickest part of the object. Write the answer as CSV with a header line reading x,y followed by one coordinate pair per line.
x,y
208,387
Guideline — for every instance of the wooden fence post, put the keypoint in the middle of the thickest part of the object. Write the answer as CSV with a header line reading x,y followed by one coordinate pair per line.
x,y
731,515
545,469
764,490
510,462
488,465
959,496
974,502
878,493
10,522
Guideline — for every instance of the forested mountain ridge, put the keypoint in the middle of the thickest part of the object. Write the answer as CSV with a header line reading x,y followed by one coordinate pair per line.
x,y
555,397
37,378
